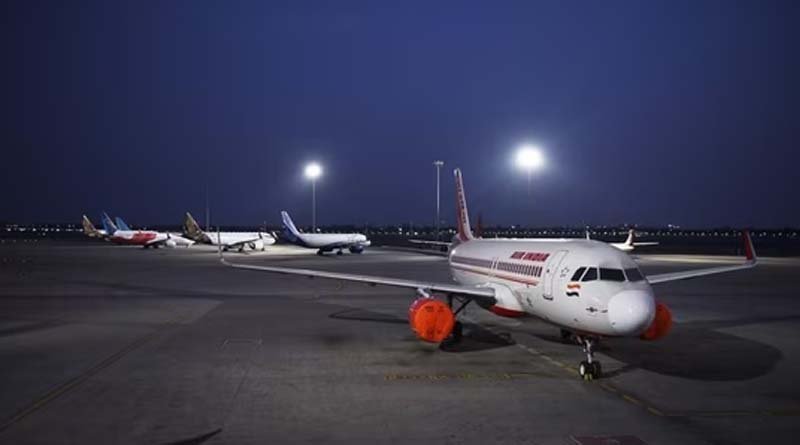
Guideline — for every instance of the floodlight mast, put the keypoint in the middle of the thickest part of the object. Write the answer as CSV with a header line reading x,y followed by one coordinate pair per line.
x,y
438,165
312,172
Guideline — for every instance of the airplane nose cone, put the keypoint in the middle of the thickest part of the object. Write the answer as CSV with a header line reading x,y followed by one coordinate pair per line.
x,y
630,312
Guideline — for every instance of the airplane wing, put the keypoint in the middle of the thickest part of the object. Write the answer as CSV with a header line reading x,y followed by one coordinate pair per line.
x,y
750,262
645,243
432,243
479,294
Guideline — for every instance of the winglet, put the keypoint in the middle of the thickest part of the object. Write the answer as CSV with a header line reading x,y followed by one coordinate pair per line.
x,y
749,251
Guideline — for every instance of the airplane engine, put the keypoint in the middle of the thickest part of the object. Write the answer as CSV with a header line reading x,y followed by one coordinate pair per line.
x,y
661,324
171,243
256,245
431,319
356,249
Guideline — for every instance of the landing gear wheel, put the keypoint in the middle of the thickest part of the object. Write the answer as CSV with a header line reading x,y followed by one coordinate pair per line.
x,y
589,369
597,370
320,253
338,252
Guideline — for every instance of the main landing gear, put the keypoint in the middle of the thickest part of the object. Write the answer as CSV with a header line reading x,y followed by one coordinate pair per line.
x,y
589,369
458,327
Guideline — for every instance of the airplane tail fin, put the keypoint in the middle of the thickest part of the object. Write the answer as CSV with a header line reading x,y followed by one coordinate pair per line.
x,y
464,229
88,227
108,225
289,229
121,224
191,228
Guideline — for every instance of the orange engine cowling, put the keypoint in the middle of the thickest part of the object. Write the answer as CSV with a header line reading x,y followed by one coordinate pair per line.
x,y
661,324
431,319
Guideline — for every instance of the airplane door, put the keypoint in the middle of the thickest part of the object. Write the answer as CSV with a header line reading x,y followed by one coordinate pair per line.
x,y
551,273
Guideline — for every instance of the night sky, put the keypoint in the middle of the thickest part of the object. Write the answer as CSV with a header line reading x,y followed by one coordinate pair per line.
x,y
648,112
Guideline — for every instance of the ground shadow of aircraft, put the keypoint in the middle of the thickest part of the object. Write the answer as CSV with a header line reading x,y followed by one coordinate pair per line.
x,y
695,351
475,338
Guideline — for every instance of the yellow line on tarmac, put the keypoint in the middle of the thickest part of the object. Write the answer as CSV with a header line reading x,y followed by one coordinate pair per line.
x,y
76,381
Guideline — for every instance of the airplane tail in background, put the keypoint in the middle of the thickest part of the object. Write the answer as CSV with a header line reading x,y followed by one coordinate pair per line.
x,y
629,241
108,225
88,228
191,228
289,229
464,229
121,224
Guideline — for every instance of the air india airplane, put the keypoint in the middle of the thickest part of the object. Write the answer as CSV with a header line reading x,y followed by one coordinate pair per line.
x,y
588,289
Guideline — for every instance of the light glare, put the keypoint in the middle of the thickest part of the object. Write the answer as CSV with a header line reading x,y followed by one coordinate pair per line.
x,y
529,158
313,170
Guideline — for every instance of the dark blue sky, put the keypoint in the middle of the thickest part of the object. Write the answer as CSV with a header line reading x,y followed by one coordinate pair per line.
x,y
649,112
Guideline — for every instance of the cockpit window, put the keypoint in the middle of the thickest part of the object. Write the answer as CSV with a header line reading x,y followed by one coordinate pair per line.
x,y
577,275
634,274
591,274
611,274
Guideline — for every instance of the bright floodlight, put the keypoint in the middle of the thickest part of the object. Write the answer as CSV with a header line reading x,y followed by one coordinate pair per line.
x,y
529,158
313,170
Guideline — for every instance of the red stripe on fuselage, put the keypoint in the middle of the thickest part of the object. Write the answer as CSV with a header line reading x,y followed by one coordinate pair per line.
x,y
503,312
497,274
137,238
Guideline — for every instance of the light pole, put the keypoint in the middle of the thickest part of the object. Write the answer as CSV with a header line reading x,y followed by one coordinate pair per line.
x,y
438,165
312,172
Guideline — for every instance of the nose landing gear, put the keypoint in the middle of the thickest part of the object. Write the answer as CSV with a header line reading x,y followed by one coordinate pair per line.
x,y
589,369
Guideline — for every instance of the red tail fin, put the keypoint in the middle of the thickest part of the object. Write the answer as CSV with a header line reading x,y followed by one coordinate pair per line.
x,y
462,216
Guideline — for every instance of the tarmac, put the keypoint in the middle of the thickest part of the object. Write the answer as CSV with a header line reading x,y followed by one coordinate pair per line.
x,y
110,344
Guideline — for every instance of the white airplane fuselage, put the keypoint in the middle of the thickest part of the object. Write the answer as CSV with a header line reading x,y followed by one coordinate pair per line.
x,y
253,240
318,240
535,277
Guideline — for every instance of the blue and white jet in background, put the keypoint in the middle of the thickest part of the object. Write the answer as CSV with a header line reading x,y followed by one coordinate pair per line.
x,y
323,242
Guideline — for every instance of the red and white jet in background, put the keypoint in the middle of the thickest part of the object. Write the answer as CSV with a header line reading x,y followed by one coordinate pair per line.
x,y
144,238
588,289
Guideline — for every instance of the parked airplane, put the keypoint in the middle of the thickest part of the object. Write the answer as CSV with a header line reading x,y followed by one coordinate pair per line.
x,y
586,288
144,238
228,240
89,229
323,242
629,243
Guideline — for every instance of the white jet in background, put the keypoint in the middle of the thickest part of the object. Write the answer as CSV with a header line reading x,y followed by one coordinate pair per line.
x,y
323,242
588,289
228,240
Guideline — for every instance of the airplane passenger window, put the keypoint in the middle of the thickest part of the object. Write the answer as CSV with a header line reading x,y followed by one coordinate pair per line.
x,y
591,274
634,274
577,275
611,274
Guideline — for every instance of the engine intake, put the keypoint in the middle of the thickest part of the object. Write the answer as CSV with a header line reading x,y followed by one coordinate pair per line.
x,y
431,319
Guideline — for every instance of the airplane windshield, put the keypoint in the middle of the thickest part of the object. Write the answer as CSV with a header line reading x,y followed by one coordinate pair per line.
x,y
611,274
634,274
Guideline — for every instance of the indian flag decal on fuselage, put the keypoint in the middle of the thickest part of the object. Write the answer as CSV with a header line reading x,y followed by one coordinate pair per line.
x,y
572,290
